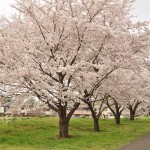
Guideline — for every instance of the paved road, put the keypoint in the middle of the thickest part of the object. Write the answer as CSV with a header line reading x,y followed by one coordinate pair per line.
x,y
142,143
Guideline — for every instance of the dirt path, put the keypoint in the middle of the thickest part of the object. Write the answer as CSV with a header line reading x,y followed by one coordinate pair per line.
x,y
142,143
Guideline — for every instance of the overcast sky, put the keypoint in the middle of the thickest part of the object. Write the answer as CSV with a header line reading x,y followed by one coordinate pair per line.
x,y
142,10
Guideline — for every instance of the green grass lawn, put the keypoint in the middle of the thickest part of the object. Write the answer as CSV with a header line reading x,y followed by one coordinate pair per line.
x,y
41,134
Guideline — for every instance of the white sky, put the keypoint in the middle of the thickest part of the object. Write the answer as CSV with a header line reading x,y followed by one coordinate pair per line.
x,y
142,10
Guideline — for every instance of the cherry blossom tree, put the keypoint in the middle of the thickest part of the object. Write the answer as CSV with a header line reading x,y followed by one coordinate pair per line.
x,y
127,88
137,95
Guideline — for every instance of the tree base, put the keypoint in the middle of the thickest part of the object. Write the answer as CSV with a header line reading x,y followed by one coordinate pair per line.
x,y
69,136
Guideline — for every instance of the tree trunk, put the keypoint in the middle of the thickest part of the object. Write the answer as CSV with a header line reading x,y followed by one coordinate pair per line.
x,y
63,122
133,108
94,116
132,115
117,117
64,119
96,125
63,127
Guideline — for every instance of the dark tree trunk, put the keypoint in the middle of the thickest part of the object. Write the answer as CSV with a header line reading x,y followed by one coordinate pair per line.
x,y
132,115
117,118
133,108
63,127
94,116
117,110
64,119
96,125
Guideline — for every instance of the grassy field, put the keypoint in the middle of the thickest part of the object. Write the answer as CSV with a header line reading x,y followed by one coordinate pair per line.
x,y
41,134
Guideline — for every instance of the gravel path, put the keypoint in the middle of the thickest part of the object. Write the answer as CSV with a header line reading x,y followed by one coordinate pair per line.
x,y
142,143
